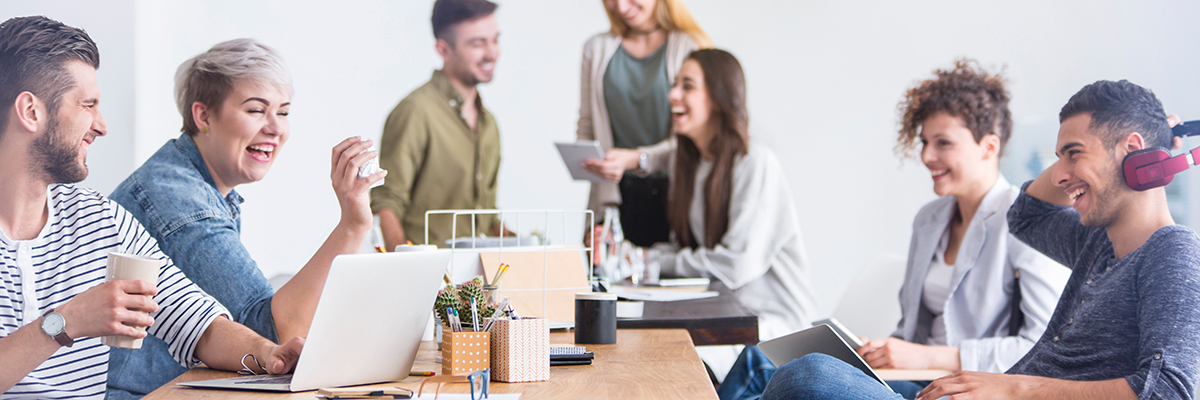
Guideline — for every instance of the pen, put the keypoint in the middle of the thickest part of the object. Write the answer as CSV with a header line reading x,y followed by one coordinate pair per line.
x,y
474,315
422,373
496,314
499,274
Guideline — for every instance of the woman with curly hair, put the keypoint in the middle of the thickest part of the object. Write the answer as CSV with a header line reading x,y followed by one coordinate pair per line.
x,y
974,297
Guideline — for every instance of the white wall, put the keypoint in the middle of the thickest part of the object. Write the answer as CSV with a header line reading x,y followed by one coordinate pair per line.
x,y
824,78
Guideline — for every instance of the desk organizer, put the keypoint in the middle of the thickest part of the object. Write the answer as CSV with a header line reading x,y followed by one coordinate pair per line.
x,y
464,352
521,350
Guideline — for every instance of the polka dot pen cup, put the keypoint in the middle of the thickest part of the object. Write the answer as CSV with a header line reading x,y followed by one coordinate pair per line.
x,y
465,352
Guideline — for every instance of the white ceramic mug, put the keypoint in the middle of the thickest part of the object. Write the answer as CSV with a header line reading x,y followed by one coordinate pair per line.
x,y
130,267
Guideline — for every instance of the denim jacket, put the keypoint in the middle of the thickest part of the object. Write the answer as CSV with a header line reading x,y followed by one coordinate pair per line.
x,y
175,198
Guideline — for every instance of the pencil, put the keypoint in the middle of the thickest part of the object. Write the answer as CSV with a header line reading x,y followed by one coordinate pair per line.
x,y
380,249
422,373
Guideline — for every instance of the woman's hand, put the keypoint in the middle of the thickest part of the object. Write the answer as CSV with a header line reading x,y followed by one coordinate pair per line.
x,y
614,164
353,193
899,354
281,359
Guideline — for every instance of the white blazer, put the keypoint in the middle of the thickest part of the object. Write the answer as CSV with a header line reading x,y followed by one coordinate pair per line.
x,y
593,114
977,311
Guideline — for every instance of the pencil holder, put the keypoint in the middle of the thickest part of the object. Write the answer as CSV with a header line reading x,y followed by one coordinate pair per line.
x,y
464,352
521,350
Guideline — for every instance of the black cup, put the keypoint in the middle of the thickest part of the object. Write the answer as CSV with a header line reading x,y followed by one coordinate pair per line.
x,y
595,318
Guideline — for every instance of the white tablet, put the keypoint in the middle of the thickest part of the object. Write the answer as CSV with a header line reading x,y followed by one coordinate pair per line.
x,y
575,153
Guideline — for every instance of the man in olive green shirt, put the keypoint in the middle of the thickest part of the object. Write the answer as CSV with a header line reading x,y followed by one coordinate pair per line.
x,y
440,146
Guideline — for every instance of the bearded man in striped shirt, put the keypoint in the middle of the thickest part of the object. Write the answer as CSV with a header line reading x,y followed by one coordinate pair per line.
x,y
55,238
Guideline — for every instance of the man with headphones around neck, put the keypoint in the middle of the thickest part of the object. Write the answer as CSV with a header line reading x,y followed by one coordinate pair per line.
x,y
1129,317
1128,320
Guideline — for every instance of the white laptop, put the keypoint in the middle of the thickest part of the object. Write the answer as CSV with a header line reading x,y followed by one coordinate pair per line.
x,y
367,326
818,339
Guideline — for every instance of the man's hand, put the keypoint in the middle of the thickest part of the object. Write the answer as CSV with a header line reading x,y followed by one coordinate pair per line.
x,y
614,164
1172,120
981,385
117,308
895,353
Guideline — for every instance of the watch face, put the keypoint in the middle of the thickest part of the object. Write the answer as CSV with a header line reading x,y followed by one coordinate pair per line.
x,y
53,323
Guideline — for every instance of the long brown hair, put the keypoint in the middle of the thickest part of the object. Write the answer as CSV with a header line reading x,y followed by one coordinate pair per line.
x,y
670,15
726,87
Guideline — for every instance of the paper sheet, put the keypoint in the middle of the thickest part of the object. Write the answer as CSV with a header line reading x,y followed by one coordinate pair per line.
x,y
652,294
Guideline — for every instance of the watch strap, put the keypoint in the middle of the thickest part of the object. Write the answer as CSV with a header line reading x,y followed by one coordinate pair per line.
x,y
61,337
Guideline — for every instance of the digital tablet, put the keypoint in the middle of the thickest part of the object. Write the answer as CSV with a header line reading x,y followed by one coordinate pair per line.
x,y
575,153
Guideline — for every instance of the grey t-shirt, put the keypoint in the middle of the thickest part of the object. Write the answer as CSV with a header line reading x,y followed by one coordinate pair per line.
x,y
1136,317
635,93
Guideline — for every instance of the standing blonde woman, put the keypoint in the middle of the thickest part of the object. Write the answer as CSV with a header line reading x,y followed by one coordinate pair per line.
x,y
627,72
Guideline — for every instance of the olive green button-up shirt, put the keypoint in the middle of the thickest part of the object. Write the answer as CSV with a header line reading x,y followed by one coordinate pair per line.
x,y
436,162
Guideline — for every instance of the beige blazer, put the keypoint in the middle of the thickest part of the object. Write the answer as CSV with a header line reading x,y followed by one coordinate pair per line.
x,y
593,115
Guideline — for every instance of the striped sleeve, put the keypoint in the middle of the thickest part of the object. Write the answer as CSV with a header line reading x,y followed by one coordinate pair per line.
x,y
185,311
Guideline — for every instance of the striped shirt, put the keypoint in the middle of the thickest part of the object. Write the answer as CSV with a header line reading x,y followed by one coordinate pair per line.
x,y
68,257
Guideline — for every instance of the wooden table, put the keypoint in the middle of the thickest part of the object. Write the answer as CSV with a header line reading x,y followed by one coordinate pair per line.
x,y
644,364
715,320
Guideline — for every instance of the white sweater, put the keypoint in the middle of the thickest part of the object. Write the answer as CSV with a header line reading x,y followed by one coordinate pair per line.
x,y
594,121
761,258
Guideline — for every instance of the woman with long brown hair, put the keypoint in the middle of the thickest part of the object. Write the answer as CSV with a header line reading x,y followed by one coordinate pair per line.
x,y
730,209
627,72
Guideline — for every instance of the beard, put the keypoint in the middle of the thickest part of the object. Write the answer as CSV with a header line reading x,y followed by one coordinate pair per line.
x,y
1101,215
56,159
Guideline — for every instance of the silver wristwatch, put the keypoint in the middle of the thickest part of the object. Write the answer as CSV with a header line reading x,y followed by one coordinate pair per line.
x,y
643,161
56,326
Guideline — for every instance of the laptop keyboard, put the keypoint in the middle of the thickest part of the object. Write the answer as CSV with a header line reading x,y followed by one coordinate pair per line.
x,y
267,379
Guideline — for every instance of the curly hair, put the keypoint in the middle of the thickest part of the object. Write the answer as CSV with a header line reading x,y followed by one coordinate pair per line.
x,y
967,91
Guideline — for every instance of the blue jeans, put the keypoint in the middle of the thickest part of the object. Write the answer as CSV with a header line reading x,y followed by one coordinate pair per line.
x,y
814,376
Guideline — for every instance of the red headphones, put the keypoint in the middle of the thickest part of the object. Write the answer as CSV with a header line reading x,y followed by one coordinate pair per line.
x,y
1154,167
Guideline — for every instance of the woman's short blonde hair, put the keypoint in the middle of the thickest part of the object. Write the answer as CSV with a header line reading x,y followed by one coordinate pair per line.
x,y
671,15
210,76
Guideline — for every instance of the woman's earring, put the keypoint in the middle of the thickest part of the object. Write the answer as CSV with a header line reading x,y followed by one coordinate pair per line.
x,y
204,130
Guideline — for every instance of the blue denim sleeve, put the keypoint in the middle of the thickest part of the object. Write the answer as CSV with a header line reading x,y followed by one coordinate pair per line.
x,y
1050,229
1169,318
204,242
210,252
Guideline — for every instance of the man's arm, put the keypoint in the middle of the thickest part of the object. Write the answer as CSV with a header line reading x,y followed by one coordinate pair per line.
x,y
225,343
1041,217
113,308
982,385
393,231
1042,188
401,153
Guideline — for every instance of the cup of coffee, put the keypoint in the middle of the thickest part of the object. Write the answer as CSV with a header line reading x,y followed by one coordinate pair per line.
x,y
130,267
595,318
